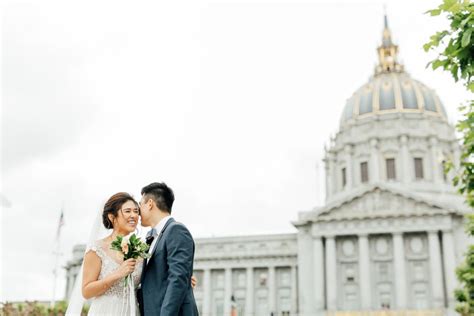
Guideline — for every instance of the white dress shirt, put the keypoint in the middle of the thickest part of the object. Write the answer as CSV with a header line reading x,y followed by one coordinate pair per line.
x,y
159,227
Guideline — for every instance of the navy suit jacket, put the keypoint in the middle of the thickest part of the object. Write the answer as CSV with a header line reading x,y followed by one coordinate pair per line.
x,y
166,280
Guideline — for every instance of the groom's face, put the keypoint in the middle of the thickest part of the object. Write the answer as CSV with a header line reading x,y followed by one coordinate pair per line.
x,y
145,207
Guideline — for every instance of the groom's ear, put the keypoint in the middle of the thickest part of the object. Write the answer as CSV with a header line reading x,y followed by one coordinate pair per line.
x,y
149,200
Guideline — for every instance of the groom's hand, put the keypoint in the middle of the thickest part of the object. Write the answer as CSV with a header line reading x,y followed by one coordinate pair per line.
x,y
194,281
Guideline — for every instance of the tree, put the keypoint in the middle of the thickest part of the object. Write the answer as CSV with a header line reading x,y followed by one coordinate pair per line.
x,y
457,57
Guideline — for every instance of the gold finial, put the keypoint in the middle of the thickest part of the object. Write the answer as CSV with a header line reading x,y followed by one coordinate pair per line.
x,y
388,52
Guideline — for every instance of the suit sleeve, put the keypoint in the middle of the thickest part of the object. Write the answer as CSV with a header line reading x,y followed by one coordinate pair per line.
x,y
180,253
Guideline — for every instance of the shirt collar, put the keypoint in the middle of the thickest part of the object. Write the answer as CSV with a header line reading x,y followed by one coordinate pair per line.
x,y
161,224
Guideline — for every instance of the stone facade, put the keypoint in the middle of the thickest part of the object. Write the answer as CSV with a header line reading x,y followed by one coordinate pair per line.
x,y
389,235
72,268
259,272
368,257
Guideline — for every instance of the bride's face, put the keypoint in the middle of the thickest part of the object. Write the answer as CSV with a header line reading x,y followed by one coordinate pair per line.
x,y
127,218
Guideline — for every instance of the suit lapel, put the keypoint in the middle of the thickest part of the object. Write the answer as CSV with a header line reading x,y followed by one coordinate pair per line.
x,y
158,240
160,235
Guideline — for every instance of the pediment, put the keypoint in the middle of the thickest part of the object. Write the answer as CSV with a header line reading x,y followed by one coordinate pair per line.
x,y
379,202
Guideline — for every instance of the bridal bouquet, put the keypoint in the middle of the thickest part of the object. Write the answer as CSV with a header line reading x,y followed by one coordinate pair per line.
x,y
132,248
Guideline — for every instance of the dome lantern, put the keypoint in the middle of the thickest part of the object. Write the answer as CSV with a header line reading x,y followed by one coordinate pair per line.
x,y
387,53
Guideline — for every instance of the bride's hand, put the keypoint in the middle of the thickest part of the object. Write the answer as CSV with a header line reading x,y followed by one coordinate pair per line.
x,y
127,267
193,281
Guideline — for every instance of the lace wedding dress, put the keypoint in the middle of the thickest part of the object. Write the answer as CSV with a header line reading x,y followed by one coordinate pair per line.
x,y
116,300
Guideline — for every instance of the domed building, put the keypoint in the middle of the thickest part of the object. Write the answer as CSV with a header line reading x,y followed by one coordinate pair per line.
x,y
389,235
391,232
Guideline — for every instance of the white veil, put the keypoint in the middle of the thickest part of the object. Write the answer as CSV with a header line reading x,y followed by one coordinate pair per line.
x,y
76,300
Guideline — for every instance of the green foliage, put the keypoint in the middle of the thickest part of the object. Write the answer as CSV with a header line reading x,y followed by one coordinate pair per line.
x,y
465,274
464,179
457,43
457,57
36,309
136,247
117,243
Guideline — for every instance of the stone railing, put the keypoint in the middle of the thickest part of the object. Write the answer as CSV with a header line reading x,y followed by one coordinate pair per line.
x,y
431,312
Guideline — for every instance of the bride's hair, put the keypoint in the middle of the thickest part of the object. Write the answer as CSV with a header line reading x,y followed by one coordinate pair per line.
x,y
113,205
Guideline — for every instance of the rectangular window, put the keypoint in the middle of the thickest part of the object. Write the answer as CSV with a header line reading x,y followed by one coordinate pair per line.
x,y
418,168
364,172
443,171
390,166
344,180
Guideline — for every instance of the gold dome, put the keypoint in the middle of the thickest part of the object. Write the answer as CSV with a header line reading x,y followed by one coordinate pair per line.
x,y
391,89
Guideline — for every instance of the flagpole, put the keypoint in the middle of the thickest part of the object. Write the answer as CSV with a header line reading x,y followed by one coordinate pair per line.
x,y
57,255
55,274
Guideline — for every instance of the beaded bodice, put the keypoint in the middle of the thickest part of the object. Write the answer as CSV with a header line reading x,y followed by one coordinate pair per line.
x,y
109,265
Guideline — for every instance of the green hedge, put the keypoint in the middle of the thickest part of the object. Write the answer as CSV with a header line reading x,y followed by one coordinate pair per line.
x,y
36,309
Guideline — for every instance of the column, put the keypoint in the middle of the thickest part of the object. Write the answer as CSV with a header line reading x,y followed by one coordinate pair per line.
x,y
456,154
318,276
364,272
400,271
331,278
294,291
206,285
406,163
435,161
68,283
329,168
334,174
449,258
374,166
249,304
456,159
305,272
272,290
436,269
228,291
349,172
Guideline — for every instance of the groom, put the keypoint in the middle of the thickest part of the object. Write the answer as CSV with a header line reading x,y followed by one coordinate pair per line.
x,y
166,280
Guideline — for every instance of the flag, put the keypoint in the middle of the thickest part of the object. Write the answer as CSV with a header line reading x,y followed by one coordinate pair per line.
x,y
60,224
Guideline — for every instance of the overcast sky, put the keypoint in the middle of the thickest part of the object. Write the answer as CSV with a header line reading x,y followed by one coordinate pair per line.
x,y
229,102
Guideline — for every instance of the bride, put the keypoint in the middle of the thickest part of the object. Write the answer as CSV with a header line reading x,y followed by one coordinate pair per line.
x,y
103,269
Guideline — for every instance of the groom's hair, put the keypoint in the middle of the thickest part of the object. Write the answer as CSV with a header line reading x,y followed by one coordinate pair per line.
x,y
161,194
